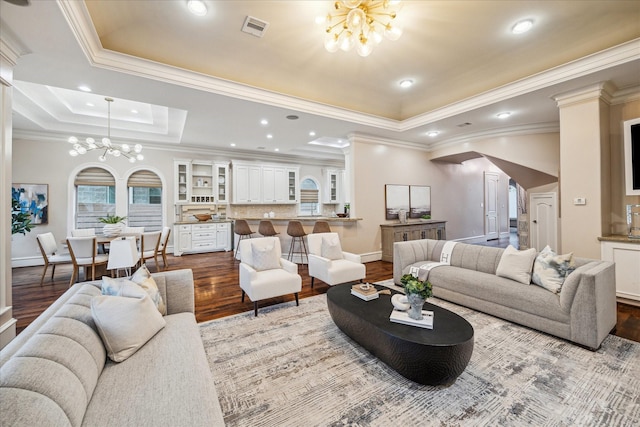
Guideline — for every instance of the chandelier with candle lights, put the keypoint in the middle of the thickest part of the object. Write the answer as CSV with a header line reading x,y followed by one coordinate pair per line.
x,y
361,24
105,145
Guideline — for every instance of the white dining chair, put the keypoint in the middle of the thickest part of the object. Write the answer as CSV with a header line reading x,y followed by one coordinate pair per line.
x,y
84,253
49,249
123,254
83,232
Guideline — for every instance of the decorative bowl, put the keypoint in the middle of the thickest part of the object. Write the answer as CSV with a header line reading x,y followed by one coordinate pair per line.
x,y
202,217
342,215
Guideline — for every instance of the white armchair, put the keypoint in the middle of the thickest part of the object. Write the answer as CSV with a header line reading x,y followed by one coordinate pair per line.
x,y
264,273
329,263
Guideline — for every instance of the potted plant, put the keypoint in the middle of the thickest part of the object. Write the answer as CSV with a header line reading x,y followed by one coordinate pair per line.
x,y
112,225
20,221
417,292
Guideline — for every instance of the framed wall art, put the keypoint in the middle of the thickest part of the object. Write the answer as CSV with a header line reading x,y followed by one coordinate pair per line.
x,y
419,201
396,199
33,199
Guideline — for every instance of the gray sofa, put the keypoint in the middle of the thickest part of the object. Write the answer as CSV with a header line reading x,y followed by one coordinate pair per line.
x,y
56,372
583,312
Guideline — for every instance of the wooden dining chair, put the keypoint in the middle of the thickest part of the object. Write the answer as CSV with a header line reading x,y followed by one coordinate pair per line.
x,y
84,253
149,243
49,249
162,247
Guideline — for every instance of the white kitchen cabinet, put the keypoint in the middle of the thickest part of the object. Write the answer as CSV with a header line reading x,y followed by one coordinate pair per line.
x,y
333,186
202,183
202,237
627,259
246,183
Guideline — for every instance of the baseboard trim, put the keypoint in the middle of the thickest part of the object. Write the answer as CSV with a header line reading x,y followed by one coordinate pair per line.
x,y
8,332
371,256
473,239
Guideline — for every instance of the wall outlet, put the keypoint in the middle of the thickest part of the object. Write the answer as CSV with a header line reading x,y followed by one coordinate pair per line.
x,y
579,201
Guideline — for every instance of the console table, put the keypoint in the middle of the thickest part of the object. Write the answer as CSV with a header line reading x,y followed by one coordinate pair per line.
x,y
391,233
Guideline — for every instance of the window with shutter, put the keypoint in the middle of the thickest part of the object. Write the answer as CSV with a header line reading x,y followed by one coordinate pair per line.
x,y
95,197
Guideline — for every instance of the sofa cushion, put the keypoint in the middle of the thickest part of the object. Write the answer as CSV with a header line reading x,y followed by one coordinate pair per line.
x,y
551,269
516,265
126,322
167,382
143,277
474,257
498,290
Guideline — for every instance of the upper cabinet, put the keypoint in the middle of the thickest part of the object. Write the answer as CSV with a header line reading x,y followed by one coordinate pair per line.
x,y
201,181
269,184
333,186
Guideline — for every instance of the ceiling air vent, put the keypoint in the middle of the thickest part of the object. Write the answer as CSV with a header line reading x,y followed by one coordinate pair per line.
x,y
461,125
254,26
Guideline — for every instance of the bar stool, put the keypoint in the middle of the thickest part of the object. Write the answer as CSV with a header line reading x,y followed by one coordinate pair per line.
x,y
265,228
241,228
295,230
321,227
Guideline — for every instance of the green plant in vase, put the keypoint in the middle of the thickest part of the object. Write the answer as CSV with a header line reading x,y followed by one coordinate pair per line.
x,y
417,292
112,225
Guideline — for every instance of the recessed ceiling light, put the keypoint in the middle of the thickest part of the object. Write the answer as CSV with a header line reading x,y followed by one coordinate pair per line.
x,y
433,133
312,133
503,115
197,7
269,136
406,83
522,26
233,144
276,149
84,88
90,104
134,111
264,122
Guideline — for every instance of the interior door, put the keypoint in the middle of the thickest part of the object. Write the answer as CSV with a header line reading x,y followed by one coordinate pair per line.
x,y
543,218
491,228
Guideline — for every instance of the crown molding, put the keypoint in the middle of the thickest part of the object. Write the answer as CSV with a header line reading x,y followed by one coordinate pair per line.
x,y
601,90
625,95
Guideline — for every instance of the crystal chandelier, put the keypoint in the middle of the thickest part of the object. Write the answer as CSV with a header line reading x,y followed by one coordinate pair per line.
x,y
360,23
105,145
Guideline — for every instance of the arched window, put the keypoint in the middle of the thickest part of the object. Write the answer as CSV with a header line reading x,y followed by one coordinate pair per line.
x,y
309,197
144,190
95,196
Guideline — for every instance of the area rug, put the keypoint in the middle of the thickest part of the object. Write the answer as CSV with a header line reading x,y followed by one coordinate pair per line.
x,y
291,366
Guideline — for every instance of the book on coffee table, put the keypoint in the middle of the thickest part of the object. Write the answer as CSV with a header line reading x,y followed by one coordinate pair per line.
x,y
366,294
426,322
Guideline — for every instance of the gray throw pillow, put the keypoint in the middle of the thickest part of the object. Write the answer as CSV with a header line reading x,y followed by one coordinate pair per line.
x,y
125,323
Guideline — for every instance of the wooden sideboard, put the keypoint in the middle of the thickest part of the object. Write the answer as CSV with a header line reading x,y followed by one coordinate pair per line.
x,y
391,233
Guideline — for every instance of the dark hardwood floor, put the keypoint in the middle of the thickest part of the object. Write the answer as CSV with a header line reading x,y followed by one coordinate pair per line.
x,y
217,293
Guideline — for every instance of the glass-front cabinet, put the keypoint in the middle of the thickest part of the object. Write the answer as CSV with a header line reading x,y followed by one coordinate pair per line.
x,y
333,186
181,182
292,185
222,182
202,184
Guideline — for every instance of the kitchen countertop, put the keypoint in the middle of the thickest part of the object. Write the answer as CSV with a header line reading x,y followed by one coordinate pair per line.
x,y
621,238
195,221
413,222
302,219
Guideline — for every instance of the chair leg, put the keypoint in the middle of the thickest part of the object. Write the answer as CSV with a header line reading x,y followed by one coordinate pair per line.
x,y
291,247
164,260
46,265
76,270
242,296
297,300
53,271
304,246
255,308
312,281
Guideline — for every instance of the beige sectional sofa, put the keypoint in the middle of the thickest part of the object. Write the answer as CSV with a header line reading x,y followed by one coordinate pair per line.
x,y
56,372
583,312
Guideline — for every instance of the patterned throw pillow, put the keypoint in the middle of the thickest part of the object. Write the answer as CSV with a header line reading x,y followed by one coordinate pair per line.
x,y
141,278
331,248
264,258
516,265
550,269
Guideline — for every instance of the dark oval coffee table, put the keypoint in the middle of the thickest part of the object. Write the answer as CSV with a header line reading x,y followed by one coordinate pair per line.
x,y
426,356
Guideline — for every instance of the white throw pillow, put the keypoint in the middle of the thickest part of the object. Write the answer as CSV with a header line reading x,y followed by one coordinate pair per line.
x,y
516,265
550,269
331,248
264,258
125,324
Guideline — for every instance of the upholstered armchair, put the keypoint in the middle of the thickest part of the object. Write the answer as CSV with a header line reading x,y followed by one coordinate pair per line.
x,y
329,263
264,273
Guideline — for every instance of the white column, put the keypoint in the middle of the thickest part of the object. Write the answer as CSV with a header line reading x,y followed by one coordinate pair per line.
x,y
8,58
